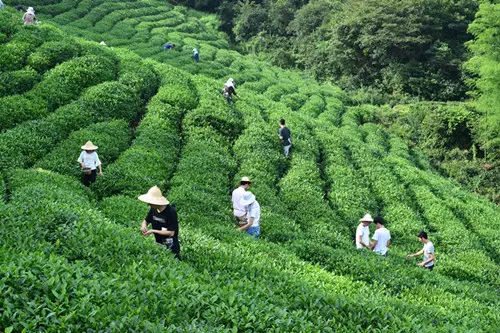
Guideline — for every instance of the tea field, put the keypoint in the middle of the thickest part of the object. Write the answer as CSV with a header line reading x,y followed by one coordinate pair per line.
x,y
72,258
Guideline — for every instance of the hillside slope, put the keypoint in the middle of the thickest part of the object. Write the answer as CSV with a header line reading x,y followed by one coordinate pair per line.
x,y
87,268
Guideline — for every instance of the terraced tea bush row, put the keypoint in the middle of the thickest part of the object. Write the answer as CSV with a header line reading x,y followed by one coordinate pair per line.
x,y
153,155
17,82
23,145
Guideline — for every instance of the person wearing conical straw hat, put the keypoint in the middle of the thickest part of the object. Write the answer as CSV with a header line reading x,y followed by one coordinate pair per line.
x,y
89,161
363,232
239,211
163,219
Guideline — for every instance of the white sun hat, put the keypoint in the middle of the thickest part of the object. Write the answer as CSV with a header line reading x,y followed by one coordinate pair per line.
x,y
248,199
89,146
366,218
154,197
245,179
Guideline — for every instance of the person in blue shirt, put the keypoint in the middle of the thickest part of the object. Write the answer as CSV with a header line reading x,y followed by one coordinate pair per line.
x,y
1,4
169,46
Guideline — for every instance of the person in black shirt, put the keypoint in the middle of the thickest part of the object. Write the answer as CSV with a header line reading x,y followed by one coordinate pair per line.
x,y
163,219
284,134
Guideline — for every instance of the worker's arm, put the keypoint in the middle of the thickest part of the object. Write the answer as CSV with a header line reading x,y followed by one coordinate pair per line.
x,y
373,245
160,232
246,226
388,243
100,169
419,253
360,239
431,258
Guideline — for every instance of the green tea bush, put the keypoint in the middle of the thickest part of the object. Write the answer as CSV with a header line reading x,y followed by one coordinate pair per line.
x,y
124,210
14,54
153,154
17,82
51,53
24,145
69,79
8,26
19,108
111,137
139,75
314,106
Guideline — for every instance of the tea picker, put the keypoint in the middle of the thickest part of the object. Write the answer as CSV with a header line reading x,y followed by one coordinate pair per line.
x,y
89,162
163,219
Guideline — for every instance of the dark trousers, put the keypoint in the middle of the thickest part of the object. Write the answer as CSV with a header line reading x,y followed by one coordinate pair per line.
x,y
430,267
89,179
196,57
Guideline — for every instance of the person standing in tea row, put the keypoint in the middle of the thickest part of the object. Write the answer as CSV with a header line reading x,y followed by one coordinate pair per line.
x,y
89,162
285,137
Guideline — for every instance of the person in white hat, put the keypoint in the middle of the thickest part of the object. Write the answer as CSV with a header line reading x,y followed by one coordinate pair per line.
x,y
29,17
239,211
252,225
196,55
89,161
363,232
228,90
163,219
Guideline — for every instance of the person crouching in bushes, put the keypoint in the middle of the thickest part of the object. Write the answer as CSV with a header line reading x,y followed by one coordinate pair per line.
x,y
29,17
363,232
196,55
163,218
228,90
252,227
89,161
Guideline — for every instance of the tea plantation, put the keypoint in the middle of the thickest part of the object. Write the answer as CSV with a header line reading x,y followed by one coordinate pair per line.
x,y
72,258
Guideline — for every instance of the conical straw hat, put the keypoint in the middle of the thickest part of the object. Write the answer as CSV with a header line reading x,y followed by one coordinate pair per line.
x,y
154,197
89,146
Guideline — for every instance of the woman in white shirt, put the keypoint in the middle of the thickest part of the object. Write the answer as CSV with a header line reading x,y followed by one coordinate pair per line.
x,y
89,161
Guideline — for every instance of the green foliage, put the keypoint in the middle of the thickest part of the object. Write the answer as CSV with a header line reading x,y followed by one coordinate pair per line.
x,y
485,64
18,108
124,210
26,143
69,79
153,154
51,53
17,82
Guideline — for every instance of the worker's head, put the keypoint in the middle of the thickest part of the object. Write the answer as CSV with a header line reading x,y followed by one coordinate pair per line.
x,y
379,221
282,122
366,220
422,236
245,182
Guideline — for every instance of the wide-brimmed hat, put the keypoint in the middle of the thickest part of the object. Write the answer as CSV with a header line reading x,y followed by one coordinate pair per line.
x,y
89,146
154,197
30,10
247,199
245,180
366,218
